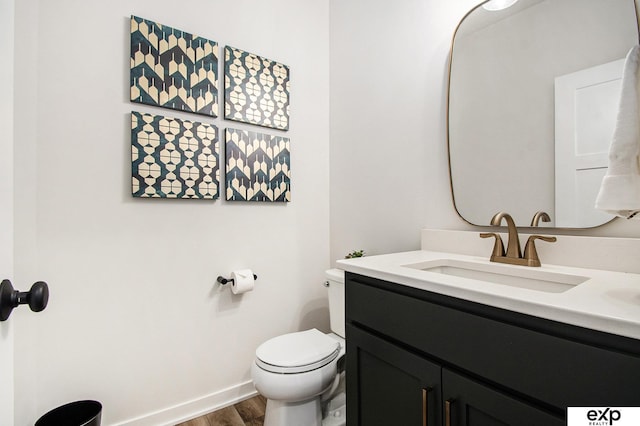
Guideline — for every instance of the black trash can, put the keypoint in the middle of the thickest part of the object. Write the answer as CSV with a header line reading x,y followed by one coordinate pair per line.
x,y
79,413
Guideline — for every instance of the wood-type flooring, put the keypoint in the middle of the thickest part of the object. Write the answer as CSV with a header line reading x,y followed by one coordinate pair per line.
x,y
245,413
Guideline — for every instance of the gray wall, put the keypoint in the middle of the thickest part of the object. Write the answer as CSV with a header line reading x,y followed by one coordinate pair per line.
x,y
389,174
135,318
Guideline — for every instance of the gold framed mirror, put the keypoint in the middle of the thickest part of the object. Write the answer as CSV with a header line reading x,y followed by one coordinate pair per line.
x,y
533,92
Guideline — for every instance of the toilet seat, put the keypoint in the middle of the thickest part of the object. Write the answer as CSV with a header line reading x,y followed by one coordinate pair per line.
x,y
297,352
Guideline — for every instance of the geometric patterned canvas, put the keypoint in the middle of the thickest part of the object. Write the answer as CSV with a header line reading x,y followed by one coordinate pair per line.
x,y
257,167
256,89
172,158
173,69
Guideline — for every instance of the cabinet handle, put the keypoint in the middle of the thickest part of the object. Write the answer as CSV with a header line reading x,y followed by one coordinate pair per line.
x,y
447,412
425,405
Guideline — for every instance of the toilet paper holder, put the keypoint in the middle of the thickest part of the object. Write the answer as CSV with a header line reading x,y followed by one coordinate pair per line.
x,y
222,280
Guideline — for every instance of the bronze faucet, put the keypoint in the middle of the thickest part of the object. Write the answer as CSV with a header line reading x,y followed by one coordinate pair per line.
x,y
540,216
513,244
513,254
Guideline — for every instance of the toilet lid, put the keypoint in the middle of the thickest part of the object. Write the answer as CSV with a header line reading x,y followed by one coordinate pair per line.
x,y
297,352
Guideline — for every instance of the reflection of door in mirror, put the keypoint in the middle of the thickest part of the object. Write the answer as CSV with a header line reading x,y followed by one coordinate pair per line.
x,y
586,104
501,101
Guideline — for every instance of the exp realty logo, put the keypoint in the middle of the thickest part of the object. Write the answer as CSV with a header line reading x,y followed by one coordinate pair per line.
x,y
603,416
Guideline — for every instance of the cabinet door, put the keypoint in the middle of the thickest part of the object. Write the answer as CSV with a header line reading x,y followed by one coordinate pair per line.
x,y
387,385
469,403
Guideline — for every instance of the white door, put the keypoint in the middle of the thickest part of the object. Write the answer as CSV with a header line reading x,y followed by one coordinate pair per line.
x,y
6,203
586,104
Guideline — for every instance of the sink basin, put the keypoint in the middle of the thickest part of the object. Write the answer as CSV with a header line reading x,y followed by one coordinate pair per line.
x,y
530,278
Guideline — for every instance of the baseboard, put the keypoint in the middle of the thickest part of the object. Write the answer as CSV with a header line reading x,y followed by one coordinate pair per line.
x,y
195,408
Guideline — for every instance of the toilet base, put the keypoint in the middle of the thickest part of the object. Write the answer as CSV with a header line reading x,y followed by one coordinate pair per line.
x,y
301,413
335,412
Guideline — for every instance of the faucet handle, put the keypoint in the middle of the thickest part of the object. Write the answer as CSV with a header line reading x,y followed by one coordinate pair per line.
x,y
498,247
530,252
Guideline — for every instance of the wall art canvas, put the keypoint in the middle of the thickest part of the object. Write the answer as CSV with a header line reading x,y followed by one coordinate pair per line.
x,y
256,89
173,69
258,167
172,158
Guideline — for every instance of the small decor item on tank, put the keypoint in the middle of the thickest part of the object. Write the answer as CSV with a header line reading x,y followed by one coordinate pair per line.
x,y
355,253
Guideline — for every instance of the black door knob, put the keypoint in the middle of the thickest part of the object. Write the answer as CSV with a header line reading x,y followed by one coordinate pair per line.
x,y
37,298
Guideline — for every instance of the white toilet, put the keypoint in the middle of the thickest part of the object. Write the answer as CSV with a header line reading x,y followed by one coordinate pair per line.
x,y
298,372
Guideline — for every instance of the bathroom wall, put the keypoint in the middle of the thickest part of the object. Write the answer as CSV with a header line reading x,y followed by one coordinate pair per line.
x,y
389,172
135,318
6,206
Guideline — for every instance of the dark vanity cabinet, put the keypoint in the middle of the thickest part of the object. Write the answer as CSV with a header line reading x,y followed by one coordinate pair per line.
x,y
421,358
394,386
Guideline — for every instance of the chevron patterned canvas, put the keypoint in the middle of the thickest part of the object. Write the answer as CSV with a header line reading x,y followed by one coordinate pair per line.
x,y
173,69
256,89
258,167
172,158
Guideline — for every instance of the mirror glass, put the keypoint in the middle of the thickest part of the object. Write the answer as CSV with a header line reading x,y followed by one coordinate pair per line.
x,y
533,97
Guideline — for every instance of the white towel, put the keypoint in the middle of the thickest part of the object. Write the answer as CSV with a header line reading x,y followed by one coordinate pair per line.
x,y
620,189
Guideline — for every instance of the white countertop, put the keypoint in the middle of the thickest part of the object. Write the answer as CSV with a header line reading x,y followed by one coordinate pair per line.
x,y
608,301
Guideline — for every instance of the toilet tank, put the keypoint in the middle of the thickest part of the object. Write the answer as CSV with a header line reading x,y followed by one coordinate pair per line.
x,y
335,285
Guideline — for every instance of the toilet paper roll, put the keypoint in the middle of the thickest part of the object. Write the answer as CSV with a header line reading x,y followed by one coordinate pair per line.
x,y
242,281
